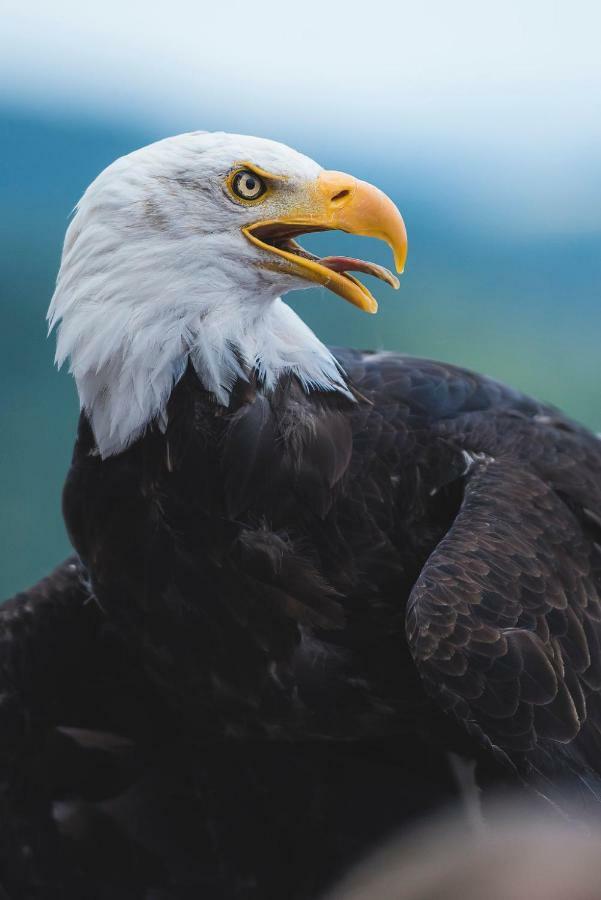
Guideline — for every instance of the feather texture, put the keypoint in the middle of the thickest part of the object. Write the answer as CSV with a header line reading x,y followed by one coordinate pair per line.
x,y
416,570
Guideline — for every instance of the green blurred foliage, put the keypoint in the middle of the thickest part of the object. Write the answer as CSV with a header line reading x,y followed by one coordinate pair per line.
x,y
521,307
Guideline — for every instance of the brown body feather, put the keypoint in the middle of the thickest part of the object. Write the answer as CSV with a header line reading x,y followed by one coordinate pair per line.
x,y
418,570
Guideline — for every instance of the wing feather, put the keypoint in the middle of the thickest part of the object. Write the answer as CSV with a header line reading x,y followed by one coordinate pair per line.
x,y
503,621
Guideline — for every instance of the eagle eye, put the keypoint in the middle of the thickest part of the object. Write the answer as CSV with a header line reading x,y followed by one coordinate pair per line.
x,y
248,185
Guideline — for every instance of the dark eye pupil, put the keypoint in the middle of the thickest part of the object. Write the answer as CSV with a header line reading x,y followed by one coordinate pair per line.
x,y
250,184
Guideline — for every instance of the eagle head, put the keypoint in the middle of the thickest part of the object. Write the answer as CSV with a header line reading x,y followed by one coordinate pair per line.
x,y
180,251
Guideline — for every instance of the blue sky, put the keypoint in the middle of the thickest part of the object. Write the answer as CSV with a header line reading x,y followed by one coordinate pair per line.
x,y
388,58
504,99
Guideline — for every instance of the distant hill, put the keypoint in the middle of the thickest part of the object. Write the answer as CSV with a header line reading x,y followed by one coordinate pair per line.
x,y
527,310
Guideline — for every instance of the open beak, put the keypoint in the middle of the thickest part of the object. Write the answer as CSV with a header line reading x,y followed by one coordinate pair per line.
x,y
335,201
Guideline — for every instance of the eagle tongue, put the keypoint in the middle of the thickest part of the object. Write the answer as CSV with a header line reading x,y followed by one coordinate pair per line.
x,y
348,264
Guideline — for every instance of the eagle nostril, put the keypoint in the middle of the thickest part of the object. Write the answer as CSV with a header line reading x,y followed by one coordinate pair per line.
x,y
340,196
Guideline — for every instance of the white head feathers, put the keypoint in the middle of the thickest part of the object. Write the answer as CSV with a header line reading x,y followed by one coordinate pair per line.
x,y
156,271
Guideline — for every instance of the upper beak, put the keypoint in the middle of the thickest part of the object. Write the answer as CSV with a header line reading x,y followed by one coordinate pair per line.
x,y
360,208
335,201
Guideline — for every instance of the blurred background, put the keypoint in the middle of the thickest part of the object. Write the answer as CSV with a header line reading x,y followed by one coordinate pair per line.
x,y
482,121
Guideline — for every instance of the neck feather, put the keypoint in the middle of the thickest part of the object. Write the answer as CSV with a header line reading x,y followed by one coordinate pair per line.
x,y
127,365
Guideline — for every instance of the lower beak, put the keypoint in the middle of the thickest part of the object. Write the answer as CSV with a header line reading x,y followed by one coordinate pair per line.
x,y
335,201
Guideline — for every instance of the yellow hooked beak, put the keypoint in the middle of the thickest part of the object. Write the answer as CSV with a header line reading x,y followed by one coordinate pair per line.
x,y
335,201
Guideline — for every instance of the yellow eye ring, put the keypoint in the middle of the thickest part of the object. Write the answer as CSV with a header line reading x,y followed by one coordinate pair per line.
x,y
246,186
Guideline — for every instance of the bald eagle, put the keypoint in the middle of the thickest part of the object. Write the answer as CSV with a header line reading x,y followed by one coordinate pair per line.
x,y
290,556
